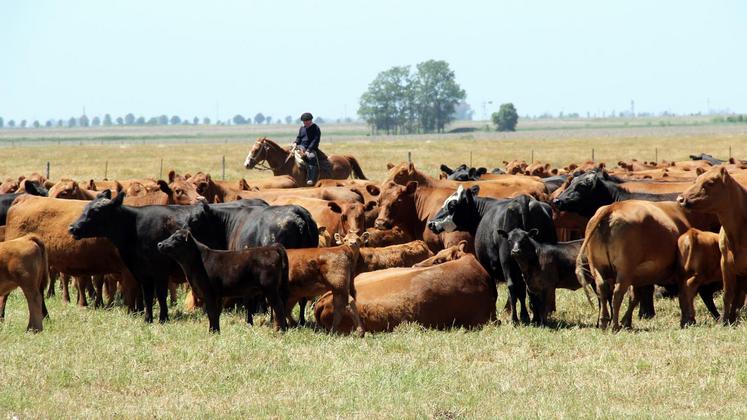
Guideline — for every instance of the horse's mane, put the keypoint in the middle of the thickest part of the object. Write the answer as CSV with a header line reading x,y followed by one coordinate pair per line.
x,y
273,143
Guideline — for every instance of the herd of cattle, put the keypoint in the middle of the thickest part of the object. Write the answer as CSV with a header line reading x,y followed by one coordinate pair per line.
x,y
375,254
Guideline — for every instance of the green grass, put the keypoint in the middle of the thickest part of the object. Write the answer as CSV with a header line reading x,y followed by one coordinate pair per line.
x,y
106,363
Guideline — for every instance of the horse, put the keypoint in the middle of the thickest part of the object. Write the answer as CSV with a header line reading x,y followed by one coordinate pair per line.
x,y
266,154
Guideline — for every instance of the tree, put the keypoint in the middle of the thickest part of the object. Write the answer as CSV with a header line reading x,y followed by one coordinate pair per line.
x,y
49,123
120,121
437,94
239,120
140,120
206,121
506,118
163,119
387,104
11,124
259,118
268,120
107,120
36,124
96,121
129,119
320,120
2,123
195,120
60,123
175,120
288,119
72,122
463,111
83,121
23,124
152,121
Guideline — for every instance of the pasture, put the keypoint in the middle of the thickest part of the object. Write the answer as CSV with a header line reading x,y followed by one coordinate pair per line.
x,y
105,363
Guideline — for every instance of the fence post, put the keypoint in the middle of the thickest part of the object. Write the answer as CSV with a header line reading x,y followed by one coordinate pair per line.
x,y
160,173
532,159
224,167
592,154
730,152
106,169
470,159
47,169
409,157
656,155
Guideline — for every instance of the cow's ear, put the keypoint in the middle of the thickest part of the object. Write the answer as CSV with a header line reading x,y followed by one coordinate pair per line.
x,y
370,206
503,233
117,186
208,178
482,171
172,175
554,171
91,185
411,187
243,184
410,168
389,166
699,171
462,246
217,199
723,172
365,236
442,175
322,229
21,178
334,207
107,193
186,176
164,186
534,232
338,238
119,199
475,190
373,189
472,172
446,169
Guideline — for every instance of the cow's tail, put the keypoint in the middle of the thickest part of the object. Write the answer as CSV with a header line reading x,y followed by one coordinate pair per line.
x,y
284,287
584,268
357,171
44,281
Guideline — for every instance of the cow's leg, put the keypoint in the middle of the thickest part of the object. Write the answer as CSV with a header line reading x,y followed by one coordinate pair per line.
x,y
550,301
213,306
686,296
65,283
82,284
110,288
604,293
132,292
289,304
633,301
190,303
98,285
272,294
161,295
361,331
339,302
617,297
302,311
172,293
706,295
148,291
52,278
729,278
646,297
3,302
249,313
34,298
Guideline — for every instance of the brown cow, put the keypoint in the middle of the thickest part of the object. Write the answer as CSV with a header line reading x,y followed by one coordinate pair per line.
x,y
715,191
70,190
325,193
700,262
23,263
313,271
452,294
177,191
216,191
337,217
385,237
451,253
278,181
402,255
620,252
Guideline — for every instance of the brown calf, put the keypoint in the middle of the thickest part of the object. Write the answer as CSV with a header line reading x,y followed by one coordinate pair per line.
x,y
23,263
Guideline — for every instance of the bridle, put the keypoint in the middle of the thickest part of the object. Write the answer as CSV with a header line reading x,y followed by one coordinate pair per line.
x,y
261,164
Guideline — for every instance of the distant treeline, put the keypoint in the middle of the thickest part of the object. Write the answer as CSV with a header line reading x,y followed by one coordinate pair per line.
x,y
131,120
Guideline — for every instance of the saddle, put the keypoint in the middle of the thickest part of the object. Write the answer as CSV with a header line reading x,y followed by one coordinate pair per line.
x,y
325,167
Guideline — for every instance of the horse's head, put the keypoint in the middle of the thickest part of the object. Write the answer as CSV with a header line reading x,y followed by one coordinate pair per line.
x,y
257,154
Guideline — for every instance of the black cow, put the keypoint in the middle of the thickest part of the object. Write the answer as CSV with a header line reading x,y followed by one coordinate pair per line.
x,y
463,173
545,267
7,199
136,231
216,275
588,192
483,217
708,158
552,183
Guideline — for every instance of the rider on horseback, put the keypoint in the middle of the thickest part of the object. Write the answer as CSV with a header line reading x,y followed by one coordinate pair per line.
x,y
307,142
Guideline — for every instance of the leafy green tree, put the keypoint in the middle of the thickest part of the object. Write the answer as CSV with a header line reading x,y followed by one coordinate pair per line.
x,y
96,121
238,119
163,119
11,124
23,124
288,119
195,121
152,121
175,120
83,121
387,104
120,121
206,121
107,120
436,94
72,122
140,120
2,123
506,118
129,119
268,120
36,124
60,123
259,118
49,123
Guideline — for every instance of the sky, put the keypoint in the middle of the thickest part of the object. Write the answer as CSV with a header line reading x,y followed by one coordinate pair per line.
x,y
221,58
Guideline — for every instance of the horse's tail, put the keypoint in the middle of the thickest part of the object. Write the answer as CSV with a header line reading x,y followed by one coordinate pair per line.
x,y
357,171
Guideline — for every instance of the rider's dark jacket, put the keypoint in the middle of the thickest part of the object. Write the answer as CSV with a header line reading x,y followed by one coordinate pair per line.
x,y
308,137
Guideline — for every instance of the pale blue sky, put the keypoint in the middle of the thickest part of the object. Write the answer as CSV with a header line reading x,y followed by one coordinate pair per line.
x,y
286,57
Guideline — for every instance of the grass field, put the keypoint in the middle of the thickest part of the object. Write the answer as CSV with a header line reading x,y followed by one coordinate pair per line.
x,y
105,363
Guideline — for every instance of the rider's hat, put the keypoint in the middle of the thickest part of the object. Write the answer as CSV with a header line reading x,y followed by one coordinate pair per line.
x,y
306,116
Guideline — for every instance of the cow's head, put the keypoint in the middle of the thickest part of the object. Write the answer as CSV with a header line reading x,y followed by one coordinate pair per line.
x,y
97,218
352,215
179,244
396,204
521,244
710,192
32,188
180,190
458,211
10,185
451,253
204,184
352,239
585,193
66,189
402,173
